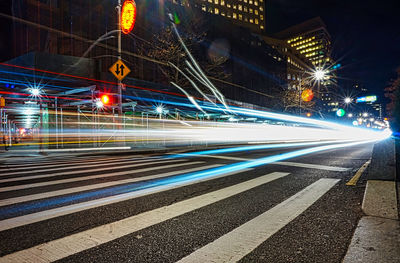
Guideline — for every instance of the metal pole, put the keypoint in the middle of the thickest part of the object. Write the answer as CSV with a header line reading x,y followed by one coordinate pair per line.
x,y
40,127
9,133
300,96
55,106
62,128
119,57
79,126
1,119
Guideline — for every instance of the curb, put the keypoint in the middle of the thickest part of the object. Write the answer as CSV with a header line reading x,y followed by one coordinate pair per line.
x,y
377,235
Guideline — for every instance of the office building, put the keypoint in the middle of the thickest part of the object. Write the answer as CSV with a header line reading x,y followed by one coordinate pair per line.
x,y
247,13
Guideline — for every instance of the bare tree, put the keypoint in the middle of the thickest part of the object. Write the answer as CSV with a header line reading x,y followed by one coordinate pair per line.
x,y
166,47
393,108
293,101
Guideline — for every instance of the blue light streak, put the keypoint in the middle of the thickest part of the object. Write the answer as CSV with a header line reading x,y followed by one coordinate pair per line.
x,y
247,148
179,180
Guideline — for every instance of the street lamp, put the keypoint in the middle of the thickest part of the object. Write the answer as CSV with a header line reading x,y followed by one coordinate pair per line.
x,y
350,115
159,109
99,104
347,100
35,91
319,74
365,114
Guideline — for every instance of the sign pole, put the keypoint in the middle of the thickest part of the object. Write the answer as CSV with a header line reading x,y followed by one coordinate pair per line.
x,y
119,58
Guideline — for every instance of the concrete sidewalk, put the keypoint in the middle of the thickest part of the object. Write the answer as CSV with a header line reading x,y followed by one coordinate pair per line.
x,y
377,236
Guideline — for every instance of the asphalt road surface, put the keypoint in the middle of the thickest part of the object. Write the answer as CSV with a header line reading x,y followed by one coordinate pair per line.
x,y
169,208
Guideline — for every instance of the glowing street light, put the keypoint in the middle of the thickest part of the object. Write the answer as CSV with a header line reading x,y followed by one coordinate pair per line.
x,y
35,92
99,104
159,109
365,114
350,115
347,100
319,74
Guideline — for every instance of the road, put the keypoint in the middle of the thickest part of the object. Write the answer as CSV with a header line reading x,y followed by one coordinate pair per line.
x,y
169,208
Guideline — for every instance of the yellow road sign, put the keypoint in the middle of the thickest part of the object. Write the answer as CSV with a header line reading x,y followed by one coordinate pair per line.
x,y
120,70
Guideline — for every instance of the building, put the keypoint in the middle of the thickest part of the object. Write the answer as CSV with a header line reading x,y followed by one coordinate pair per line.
x,y
247,13
308,48
311,39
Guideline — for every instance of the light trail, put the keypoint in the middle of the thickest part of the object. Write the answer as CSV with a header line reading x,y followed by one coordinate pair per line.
x,y
174,181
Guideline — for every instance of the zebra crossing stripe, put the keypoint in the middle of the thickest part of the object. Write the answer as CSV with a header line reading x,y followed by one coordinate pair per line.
x,y
236,244
69,164
96,176
69,245
84,165
27,198
23,164
16,179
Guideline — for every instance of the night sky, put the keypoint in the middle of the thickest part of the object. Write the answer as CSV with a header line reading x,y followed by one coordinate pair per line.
x,y
365,34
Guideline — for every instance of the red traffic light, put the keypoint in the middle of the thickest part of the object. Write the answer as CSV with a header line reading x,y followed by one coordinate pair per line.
x,y
105,99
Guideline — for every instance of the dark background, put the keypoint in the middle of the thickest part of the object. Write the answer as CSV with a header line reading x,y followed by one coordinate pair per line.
x,y
365,34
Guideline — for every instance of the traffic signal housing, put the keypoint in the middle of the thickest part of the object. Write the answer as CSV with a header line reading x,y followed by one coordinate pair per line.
x,y
106,99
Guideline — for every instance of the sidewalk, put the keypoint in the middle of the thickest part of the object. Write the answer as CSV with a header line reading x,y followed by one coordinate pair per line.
x,y
377,236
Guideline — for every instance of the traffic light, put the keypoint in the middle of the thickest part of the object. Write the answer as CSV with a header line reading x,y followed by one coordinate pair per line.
x,y
340,112
105,99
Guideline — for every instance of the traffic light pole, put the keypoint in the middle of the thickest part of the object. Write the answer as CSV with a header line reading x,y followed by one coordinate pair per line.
x,y
119,57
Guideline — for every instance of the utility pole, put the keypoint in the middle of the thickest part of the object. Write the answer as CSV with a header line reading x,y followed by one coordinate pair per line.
x,y
119,58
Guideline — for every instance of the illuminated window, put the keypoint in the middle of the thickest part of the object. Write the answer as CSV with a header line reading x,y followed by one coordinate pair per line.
x,y
216,11
210,1
251,20
262,27
222,2
251,2
255,3
228,5
256,12
234,6
256,21
222,13
234,16
240,17
203,7
240,7
245,8
229,15
261,17
245,1
251,11
216,2
246,19
261,9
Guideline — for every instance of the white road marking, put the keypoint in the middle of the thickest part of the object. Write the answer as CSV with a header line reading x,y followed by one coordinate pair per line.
x,y
66,167
294,164
70,245
56,212
82,171
26,198
74,160
96,176
236,244
315,166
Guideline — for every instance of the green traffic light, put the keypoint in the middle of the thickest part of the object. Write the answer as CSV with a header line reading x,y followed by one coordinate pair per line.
x,y
340,112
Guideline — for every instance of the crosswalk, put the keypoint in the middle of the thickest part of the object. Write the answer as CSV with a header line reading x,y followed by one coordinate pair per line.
x,y
45,192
